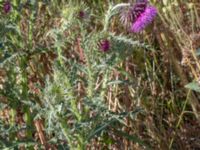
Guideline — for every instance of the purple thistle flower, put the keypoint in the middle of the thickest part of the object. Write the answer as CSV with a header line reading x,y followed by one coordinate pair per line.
x,y
81,14
144,19
138,16
7,7
130,14
104,45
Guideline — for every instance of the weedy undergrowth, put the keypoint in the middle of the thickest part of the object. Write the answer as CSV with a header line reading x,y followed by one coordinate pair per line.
x,y
58,77
99,74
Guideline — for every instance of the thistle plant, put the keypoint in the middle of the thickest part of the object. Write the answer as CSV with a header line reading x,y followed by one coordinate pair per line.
x,y
65,94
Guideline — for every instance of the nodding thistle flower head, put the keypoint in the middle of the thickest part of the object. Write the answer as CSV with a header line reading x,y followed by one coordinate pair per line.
x,y
7,7
144,19
138,16
104,45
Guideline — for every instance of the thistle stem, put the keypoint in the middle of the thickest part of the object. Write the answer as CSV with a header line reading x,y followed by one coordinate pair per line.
x,y
120,6
111,12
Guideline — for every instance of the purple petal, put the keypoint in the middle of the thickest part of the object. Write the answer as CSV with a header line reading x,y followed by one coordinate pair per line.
x,y
144,19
